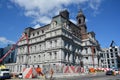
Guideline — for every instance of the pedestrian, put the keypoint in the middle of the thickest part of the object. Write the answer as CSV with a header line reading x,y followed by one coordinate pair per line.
x,y
39,71
51,73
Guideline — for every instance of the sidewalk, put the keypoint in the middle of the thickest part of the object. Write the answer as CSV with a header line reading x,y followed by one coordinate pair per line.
x,y
63,75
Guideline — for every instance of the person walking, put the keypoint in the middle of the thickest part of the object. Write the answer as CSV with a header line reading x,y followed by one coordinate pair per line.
x,y
51,73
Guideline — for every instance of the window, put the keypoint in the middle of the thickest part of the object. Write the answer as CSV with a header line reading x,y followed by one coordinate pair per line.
x,y
111,54
30,58
38,33
50,43
79,21
22,59
42,31
31,49
50,55
39,57
115,49
86,50
40,47
86,58
107,55
55,55
54,24
35,48
33,34
111,50
55,33
34,58
55,43
107,50
113,61
116,54
108,61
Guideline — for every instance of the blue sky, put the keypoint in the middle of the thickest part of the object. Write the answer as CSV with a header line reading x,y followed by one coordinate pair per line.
x,y
102,17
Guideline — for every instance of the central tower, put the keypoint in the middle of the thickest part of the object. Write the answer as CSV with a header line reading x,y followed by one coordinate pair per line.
x,y
81,22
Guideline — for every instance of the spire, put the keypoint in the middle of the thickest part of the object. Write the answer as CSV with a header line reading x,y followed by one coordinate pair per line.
x,y
80,18
80,14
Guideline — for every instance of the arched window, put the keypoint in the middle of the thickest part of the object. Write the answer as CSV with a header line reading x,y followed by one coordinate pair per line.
x,y
53,24
79,21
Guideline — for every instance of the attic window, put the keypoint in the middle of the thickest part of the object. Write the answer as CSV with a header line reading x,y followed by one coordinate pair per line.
x,y
33,34
54,23
38,32
42,31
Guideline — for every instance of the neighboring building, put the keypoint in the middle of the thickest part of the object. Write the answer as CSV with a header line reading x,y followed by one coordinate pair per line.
x,y
60,43
11,58
111,57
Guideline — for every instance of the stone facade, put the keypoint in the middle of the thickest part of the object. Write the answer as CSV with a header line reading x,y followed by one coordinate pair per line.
x,y
59,43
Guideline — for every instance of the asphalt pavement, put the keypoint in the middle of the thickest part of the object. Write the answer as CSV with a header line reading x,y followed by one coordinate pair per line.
x,y
83,76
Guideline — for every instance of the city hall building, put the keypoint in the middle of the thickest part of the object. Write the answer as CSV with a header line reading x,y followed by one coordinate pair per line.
x,y
59,43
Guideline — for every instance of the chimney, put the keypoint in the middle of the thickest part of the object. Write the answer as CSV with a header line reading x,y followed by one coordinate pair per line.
x,y
64,14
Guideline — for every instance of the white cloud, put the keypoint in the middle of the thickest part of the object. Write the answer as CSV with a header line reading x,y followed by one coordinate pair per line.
x,y
36,26
74,21
42,10
3,40
94,4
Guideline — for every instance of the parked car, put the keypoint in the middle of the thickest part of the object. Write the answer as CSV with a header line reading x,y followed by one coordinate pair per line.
x,y
20,76
116,71
110,72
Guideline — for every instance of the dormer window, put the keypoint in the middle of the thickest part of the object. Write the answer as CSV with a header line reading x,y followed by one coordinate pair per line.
x,y
33,34
54,24
42,31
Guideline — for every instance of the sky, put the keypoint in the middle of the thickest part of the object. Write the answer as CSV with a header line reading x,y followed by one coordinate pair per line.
x,y
102,17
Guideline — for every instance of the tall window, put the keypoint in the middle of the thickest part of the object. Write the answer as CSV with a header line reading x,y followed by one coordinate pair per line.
x,y
40,47
111,54
34,58
39,58
50,43
79,21
50,55
30,58
55,55
116,49
33,34
86,50
107,55
31,49
38,33
22,59
55,43
42,31
35,48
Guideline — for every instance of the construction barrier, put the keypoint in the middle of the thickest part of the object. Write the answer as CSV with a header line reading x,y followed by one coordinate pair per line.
x,y
102,69
29,73
73,69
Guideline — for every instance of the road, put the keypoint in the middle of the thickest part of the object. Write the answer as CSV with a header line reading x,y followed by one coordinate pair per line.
x,y
83,77
93,77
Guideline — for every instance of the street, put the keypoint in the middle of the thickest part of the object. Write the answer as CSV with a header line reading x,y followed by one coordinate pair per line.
x,y
83,77
93,77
